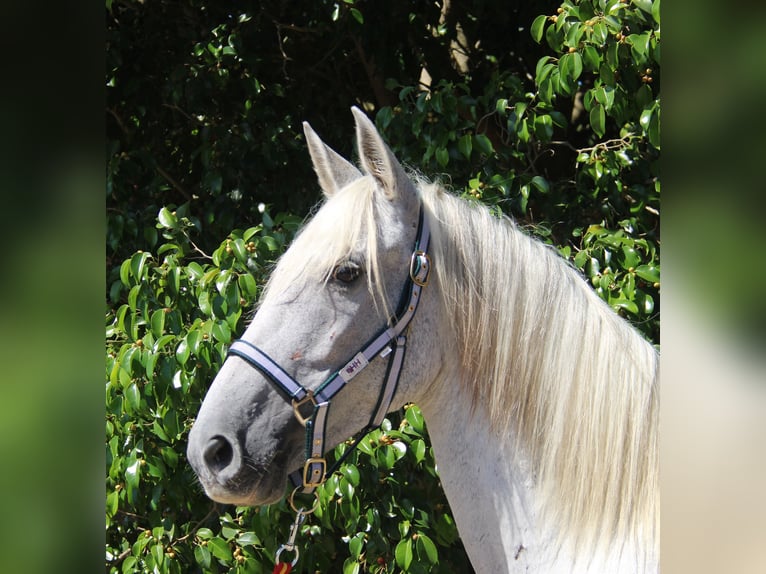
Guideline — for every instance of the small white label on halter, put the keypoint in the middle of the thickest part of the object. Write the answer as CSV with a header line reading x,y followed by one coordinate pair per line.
x,y
352,368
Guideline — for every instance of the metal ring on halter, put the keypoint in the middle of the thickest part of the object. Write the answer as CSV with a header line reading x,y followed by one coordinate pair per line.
x,y
291,501
293,549
420,268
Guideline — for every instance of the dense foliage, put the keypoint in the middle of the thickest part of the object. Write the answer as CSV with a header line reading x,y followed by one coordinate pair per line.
x,y
552,118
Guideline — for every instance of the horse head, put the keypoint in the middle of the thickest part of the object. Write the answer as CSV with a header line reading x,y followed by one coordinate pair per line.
x,y
336,287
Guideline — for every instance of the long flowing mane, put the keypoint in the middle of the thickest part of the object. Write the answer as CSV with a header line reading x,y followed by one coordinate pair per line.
x,y
542,355
549,360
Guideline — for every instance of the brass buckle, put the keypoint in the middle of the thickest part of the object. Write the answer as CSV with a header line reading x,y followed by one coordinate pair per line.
x,y
420,261
309,398
307,482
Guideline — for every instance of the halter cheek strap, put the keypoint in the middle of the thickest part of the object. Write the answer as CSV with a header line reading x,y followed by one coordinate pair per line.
x,y
390,342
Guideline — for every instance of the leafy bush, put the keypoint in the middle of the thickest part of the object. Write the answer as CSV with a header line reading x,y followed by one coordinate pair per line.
x,y
575,157
570,148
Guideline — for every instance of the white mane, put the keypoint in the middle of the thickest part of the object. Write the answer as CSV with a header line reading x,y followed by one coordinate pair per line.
x,y
546,356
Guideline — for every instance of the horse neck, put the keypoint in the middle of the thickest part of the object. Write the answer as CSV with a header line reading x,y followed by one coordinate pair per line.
x,y
490,486
491,500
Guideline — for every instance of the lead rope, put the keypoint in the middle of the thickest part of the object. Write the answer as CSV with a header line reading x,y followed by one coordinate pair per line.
x,y
289,546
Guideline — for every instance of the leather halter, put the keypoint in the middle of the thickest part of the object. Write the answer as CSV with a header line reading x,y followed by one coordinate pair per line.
x,y
389,342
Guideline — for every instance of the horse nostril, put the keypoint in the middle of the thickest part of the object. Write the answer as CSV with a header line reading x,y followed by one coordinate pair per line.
x,y
218,454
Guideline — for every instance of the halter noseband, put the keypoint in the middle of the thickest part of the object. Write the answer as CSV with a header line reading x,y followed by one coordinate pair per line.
x,y
390,341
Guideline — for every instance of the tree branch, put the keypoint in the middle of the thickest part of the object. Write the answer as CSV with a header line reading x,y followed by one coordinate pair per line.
x,y
177,186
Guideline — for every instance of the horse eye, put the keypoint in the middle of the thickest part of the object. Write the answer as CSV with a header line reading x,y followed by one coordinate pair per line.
x,y
346,272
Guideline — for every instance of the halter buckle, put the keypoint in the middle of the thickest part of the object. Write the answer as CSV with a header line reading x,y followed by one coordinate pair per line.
x,y
420,268
309,398
318,472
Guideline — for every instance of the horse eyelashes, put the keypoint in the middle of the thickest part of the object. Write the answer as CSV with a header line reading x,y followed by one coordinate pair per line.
x,y
347,272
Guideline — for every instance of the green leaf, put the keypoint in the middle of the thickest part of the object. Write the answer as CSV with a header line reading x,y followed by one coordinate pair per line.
x,y
355,545
570,68
538,27
604,95
167,219
554,35
138,264
248,285
220,549
158,322
221,331
158,554
648,273
630,257
160,432
194,270
238,248
182,352
202,556
598,120
351,566
427,547
484,144
403,554
543,68
134,396
170,456
600,32
399,449
205,533
135,291
223,280
133,474
591,58
351,473
414,416
418,448
647,303
442,157
125,272
270,242
639,45
112,503
204,303
645,5
129,565
546,87
357,15
580,259
523,131
607,75
558,119
544,127
621,303
656,11
644,96
541,184
465,145
650,121
248,539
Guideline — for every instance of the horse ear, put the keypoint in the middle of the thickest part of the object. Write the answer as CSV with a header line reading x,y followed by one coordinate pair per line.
x,y
333,171
377,159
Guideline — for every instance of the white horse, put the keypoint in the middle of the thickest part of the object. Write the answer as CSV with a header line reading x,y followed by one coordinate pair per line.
x,y
541,403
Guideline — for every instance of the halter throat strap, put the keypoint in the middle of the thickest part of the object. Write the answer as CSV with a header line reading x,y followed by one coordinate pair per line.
x,y
389,342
